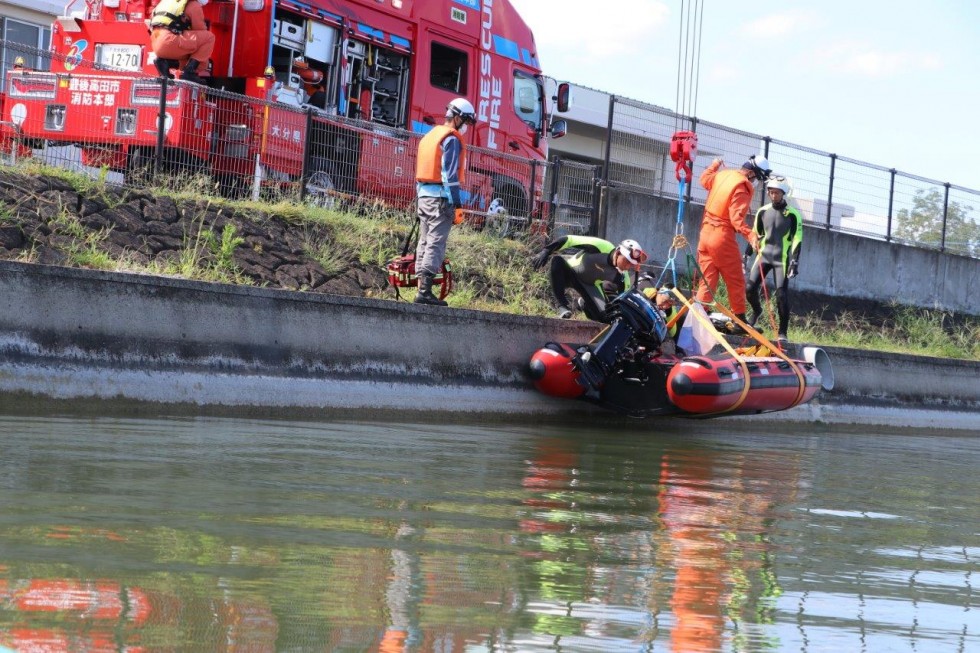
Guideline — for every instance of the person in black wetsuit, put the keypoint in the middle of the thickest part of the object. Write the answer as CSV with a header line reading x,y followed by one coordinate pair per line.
x,y
595,268
780,230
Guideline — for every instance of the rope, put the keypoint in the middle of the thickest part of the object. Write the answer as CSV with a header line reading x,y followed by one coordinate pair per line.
x,y
679,241
770,314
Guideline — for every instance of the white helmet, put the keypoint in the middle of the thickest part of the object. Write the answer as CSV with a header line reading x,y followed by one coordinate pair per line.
x,y
461,107
759,165
779,183
632,252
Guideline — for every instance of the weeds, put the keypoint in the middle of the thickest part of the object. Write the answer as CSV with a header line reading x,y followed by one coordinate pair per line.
x,y
223,249
491,273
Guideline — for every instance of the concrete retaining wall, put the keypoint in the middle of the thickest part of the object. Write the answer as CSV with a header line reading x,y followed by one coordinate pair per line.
x,y
832,263
71,334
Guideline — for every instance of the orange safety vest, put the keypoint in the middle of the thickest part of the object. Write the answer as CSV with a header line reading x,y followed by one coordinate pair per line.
x,y
725,184
428,165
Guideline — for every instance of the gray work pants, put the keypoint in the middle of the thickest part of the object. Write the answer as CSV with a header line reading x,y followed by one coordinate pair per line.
x,y
435,222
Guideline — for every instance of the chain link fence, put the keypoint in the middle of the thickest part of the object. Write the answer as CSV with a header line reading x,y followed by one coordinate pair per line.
x,y
131,129
832,191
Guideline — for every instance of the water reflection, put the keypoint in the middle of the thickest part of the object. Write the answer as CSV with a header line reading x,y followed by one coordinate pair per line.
x,y
244,535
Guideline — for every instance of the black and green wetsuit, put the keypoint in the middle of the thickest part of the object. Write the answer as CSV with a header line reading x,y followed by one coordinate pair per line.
x,y
780,230
584,263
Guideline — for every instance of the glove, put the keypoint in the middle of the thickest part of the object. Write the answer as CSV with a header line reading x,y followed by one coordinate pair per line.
x,y
793,269
539,259
458,216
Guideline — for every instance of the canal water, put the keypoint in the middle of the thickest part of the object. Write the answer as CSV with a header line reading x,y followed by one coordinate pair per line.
x,y
217,534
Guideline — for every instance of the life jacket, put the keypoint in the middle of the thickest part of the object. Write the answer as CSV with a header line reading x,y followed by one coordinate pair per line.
x,y
170,14
428,165
722,189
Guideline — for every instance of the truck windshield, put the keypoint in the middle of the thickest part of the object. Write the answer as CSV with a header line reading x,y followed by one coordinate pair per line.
x,y
528,97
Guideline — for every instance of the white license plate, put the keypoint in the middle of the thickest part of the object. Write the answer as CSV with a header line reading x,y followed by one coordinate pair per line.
x,y
120,57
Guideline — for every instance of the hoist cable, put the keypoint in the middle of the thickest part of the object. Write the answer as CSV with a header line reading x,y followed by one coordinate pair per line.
x,y
681,59
697,62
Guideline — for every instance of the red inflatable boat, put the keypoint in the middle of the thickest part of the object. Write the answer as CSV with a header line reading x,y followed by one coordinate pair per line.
x,y
722,383
625,369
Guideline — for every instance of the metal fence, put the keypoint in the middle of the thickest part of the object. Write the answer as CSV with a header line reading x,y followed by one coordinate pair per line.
x,y
833,191
137,130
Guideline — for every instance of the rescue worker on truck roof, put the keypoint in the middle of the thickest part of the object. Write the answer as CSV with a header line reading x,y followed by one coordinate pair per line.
x,y
729,195
439,171
179,36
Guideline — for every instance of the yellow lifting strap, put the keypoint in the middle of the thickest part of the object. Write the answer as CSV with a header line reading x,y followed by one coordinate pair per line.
x,y
724,343
774,350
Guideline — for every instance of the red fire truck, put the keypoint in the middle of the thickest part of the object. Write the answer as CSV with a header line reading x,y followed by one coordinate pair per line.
x,y
388,68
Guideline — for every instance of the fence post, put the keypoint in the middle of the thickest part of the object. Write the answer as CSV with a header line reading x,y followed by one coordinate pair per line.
x,y
830,190
609,131
304,175
599,224
596,185
161,124
942,241
530,194
598,227
891,205
553,196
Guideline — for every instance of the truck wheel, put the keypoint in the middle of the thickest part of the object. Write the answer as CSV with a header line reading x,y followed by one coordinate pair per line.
x,y
508,212
320,191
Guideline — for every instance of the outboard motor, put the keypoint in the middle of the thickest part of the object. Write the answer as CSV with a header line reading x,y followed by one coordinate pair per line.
x,y
630,315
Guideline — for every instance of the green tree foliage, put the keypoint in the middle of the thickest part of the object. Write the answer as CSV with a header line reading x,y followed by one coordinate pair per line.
x,y
923,223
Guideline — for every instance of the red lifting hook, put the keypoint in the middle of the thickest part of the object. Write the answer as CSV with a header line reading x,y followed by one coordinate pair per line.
x,y
683,149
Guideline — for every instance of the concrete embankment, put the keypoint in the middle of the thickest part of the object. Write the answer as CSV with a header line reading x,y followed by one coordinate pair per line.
x,y
164,344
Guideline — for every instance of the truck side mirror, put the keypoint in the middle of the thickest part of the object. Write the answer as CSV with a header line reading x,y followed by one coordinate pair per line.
x,y
559,128
563,97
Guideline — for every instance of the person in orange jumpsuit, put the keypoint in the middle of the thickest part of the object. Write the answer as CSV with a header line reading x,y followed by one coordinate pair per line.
x,y
729,195
180,36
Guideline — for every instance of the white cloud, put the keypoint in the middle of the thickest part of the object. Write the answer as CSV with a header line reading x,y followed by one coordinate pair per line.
x,y
864,60
780,24
578,30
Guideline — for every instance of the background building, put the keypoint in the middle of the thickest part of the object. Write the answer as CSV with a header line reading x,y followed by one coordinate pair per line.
x,y
25,22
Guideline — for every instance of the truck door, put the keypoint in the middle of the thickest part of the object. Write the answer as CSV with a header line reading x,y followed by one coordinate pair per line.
x,y
445,69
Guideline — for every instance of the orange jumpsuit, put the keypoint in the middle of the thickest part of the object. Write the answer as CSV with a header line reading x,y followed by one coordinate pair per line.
x,y
194,43
729,196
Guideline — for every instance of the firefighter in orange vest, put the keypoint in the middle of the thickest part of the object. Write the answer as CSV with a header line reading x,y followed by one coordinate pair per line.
x,y
439,172
180,35
729,195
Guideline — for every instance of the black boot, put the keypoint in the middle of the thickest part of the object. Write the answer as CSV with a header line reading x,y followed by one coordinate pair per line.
x,y
189,73
164,66
736,328
425,295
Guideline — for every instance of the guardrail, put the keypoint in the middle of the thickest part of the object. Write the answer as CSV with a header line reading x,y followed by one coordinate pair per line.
x,y
833,191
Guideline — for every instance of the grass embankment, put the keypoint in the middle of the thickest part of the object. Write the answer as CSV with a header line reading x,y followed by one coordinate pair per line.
x,y
492,273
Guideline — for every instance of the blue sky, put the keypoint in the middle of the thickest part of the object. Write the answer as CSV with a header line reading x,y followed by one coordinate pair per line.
x,y
896,84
